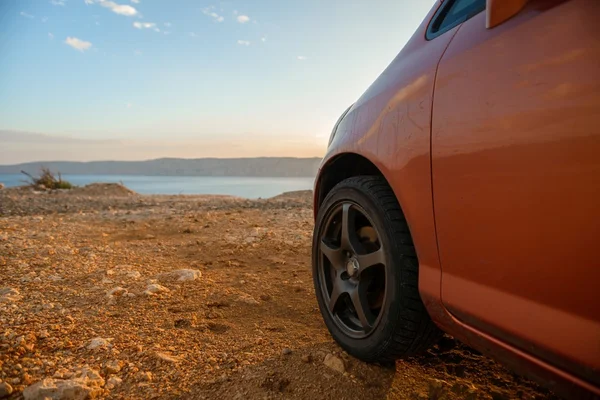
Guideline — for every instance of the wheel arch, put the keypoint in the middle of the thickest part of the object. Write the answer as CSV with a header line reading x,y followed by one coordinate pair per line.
x,y
339,168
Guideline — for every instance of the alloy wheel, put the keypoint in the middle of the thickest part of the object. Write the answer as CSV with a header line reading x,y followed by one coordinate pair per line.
x,y
352,265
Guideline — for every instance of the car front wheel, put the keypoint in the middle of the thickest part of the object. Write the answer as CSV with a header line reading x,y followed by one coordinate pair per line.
x,y
365,273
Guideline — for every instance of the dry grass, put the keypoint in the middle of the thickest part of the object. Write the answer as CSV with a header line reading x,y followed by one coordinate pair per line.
x,y
48,180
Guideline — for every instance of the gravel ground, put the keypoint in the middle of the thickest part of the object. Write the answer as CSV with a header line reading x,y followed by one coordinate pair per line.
x,y
108,294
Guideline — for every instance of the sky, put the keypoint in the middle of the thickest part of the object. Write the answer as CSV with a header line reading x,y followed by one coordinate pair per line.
x,y
188,78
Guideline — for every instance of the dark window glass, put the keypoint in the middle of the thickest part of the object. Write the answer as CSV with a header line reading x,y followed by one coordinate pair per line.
x,y
453,13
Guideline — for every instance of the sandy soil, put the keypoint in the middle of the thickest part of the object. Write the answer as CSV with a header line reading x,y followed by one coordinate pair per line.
x,y
90,301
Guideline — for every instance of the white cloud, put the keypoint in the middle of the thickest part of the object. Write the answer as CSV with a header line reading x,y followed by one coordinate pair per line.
x,y
263,39
242,19
135,1
58,2
50,35
78,44
243,43
301,58
24,14
121,9
167,24
209,11
144,25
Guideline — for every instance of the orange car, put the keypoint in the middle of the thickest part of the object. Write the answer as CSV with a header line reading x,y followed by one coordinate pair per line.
x,y
461,192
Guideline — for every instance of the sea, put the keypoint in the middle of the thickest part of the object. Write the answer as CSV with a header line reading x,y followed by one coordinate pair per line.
x,y
247,187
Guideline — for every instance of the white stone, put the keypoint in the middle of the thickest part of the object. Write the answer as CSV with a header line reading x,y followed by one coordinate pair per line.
x,y
335,363
181,275
247,299
86,384
155,288
117,291
98,343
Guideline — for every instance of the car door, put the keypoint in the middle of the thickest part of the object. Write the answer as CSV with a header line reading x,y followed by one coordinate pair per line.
x,y
516,180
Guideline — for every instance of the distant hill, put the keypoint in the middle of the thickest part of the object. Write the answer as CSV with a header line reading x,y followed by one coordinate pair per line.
x,y
267,166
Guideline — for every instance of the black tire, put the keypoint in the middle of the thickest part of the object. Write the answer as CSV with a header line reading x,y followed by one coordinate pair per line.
x,y
402,326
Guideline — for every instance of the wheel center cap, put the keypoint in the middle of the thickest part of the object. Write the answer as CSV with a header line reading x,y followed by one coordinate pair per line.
x,y
352,266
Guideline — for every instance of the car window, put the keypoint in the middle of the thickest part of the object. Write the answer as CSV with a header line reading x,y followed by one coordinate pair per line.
x,y
452,13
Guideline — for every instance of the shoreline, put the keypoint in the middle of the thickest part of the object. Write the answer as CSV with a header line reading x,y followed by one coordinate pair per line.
x,y
250,188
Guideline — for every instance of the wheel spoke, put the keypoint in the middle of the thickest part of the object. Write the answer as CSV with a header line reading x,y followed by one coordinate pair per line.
x,y
368,260
359,299
334,255
349,239
339,287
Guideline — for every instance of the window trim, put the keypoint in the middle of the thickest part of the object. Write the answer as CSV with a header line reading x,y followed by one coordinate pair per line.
x,y
441,13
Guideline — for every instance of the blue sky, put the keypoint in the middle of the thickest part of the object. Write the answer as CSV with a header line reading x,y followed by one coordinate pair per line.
x,y
271,72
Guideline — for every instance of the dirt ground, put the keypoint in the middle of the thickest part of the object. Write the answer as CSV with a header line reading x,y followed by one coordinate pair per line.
x,y
110,294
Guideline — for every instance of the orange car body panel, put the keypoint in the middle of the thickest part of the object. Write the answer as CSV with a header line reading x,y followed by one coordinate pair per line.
x,y
490,139
517,183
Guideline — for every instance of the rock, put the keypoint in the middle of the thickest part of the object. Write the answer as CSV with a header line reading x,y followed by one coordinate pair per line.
x,y
145,376
335,363
87,384
306,358
113,381
133,275
5,389
181,275
117,291
9,294
112,367
247,299
167,357
91,376
286,351
1,185
98,343
155,288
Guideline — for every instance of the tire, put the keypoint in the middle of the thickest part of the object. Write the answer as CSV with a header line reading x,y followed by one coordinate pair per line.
x,y
371,326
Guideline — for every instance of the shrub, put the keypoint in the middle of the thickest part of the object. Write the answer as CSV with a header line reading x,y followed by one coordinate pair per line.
x,y
48,180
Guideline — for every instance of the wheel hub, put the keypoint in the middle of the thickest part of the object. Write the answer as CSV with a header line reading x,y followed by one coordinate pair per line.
x,y
352,267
